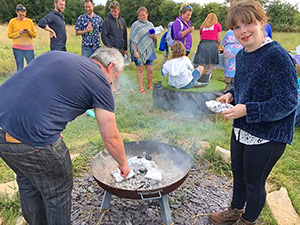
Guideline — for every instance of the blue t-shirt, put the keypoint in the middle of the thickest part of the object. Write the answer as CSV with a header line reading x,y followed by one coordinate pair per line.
x,y
90,39
37,102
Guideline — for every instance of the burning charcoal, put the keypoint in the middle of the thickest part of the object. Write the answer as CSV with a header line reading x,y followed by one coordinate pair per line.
x,y
146,156
217,107
143,170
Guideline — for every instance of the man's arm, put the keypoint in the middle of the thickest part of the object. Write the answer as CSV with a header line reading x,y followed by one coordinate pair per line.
x,y
111,138
125,36
104,34
79,29
43,23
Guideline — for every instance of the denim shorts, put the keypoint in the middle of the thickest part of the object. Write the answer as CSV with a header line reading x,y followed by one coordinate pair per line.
x,y
148,61
196,74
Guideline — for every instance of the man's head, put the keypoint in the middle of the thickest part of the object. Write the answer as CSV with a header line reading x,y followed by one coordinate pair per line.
x,y
114,8
89,7
59,5
111,62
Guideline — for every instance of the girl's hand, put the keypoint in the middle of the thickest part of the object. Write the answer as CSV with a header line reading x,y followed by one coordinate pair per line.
x,y
227,98
236,112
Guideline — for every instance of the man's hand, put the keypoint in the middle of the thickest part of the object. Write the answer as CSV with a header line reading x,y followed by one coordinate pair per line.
x,y
235,112
227,98
52,34
124,170
89,28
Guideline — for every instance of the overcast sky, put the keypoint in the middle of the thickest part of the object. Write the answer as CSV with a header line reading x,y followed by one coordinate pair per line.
x,y
201,2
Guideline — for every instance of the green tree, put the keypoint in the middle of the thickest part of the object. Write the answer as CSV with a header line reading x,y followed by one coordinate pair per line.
x,y
282,16
74,8
169,11
153,7
219,9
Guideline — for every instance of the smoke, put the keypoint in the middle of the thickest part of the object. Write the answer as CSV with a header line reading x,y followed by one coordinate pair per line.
x,y
177,118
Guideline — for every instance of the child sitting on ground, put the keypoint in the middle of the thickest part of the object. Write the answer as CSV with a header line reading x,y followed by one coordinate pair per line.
x,y
181,72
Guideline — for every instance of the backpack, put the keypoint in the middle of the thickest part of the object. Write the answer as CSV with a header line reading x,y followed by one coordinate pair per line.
x,y
170,34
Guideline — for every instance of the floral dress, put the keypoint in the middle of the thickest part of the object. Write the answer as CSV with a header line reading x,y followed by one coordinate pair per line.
x,y
231,48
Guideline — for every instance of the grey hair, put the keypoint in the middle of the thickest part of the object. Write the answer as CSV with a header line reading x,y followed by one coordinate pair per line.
x,y
109,55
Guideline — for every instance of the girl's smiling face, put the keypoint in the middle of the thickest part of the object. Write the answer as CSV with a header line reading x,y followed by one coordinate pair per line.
x,y
250,34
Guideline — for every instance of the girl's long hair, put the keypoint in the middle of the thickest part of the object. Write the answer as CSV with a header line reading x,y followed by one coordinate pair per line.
x,y
210,20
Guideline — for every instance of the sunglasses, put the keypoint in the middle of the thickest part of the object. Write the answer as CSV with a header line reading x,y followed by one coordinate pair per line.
x,y
187,8
21,8
114,4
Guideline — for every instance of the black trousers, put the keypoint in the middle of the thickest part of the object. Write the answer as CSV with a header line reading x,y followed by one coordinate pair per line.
x,y
251,165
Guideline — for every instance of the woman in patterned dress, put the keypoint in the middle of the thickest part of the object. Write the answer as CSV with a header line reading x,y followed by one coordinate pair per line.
x,y
231,48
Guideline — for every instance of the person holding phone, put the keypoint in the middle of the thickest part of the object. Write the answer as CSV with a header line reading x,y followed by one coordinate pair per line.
x,y
21,30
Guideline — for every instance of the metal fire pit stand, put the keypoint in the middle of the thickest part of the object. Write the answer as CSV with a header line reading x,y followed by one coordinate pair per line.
x,y
162,199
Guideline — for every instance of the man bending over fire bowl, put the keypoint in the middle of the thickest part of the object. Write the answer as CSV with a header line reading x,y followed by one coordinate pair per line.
x,y
35,106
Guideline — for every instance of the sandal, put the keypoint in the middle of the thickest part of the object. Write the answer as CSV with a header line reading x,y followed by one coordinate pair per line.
x,y
142,90
199,84
116,92
150,88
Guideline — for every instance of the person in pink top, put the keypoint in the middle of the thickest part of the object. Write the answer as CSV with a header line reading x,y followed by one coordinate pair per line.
x,y
21,30
210,39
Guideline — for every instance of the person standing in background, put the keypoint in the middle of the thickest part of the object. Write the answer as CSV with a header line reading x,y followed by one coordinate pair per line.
x,y
182,28
268,30
231,48
210,39
114,34
54,22
142,44
89,26
22,31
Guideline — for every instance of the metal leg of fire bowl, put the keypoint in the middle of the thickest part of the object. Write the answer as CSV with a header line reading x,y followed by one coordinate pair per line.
x,y
165,210
105,202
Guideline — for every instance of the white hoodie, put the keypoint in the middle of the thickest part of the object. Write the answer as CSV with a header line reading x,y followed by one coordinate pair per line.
x,y
179,71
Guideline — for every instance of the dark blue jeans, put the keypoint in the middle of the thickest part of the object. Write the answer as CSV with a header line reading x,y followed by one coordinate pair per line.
x,y
44,176
251,165
297,122
87,51
20,55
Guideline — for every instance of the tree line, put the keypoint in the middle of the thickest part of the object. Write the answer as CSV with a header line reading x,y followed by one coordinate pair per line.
x,y
283,16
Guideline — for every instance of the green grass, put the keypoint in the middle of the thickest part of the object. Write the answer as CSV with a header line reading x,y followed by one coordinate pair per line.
x,y
136,114
213,86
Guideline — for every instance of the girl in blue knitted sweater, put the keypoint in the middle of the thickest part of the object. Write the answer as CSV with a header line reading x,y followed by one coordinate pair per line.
x,y
265,98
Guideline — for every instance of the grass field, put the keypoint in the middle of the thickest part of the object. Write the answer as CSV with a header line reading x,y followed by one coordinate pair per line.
x,y
136,114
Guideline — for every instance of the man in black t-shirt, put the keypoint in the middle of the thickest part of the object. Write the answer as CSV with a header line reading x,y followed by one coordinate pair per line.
x,y
36,104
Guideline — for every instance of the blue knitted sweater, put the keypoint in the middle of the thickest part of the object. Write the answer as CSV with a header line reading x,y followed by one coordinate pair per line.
x,y
266,82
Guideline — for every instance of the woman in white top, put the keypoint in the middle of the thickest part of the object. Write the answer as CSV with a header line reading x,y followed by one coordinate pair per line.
x,y
180,70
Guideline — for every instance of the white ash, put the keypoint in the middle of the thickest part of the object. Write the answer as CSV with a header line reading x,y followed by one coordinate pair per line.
x,y
217,107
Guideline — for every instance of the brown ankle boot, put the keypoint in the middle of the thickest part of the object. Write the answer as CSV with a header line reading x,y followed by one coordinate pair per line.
x,y
242,221
229,216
